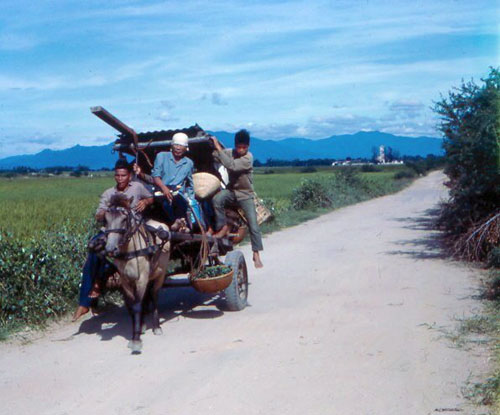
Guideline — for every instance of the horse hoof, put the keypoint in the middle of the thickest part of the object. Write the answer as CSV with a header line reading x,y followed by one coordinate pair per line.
x,y
135,346
157,331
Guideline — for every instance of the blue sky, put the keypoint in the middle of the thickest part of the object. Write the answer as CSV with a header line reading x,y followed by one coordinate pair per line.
x,y
279,68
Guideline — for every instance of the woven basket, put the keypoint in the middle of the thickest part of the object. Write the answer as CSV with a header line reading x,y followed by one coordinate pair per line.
x,y
263,213
213,284
205,184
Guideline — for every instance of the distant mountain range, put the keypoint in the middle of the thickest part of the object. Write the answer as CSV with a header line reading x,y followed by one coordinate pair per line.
x,y
357,145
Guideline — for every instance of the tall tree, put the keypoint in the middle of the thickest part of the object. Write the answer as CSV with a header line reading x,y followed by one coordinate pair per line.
x,y
470,122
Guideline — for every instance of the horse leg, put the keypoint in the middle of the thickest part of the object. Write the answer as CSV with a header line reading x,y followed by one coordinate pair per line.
x,y
135,309
145,308
155,288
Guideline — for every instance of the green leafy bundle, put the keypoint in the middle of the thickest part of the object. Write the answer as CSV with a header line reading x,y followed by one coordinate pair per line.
x,y
213,271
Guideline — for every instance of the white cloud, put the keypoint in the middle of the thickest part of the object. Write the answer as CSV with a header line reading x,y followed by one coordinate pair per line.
x,y
166,116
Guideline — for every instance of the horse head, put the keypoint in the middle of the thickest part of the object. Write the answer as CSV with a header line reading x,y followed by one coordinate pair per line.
x,y
118,218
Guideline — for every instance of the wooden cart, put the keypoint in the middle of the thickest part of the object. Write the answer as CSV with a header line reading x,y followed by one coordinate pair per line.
x,y
186,247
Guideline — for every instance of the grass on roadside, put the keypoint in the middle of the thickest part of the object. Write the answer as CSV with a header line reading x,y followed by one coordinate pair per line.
x,y
484,329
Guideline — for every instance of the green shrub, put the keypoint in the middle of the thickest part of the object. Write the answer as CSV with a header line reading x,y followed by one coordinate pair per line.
x,y
310,194
494,258
369,168
405,174
348,176
419,167
344,187
471,127
39,277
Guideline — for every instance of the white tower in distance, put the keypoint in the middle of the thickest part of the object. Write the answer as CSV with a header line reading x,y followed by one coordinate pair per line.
x,y
381,155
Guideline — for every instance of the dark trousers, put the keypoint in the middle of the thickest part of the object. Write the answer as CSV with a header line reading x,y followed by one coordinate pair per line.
x,y
175,210
179,208
227,198
94,268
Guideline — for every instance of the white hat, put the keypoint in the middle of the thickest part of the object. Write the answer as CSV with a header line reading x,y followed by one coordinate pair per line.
x,y
180,139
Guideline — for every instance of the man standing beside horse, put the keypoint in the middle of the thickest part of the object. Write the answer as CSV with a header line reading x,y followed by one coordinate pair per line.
x,y
94,270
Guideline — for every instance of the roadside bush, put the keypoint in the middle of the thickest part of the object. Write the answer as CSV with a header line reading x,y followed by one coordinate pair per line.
x,y
369,168
343,188
471,128
419,167
39,277
494,258
405,174
348,176
310,194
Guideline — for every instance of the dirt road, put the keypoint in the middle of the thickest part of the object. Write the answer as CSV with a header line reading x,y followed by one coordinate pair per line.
x,y
338,323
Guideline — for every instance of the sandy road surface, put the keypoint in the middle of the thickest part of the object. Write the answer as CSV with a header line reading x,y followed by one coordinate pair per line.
x,y
338,324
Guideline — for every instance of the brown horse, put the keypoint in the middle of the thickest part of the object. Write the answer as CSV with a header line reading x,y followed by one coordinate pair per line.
x,y
141,259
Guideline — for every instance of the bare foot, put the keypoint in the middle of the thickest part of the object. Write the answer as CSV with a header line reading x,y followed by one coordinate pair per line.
x,y
176,225
222,232
256,260
80,311
96,290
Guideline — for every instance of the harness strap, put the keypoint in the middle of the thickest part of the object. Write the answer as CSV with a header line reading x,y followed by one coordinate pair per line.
x,y
163,234
148,251
118,230
146,231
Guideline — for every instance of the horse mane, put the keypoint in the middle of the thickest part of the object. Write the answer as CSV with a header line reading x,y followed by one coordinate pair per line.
x,y
120,200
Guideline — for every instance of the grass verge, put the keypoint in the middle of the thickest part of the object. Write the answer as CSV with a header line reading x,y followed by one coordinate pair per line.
x,y
482,329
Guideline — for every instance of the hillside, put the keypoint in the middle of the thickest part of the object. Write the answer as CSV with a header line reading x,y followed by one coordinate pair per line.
x,y
335,147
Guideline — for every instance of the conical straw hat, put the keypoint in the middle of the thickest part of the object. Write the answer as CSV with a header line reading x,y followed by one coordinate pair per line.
x,y
205,184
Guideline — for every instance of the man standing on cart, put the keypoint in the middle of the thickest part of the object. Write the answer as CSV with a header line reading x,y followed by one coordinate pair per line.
x,y
239,191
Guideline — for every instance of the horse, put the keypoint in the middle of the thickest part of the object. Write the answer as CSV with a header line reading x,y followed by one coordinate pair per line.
x,y
141,258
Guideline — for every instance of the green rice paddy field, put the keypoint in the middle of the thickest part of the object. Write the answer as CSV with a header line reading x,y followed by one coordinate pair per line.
x,y
29,205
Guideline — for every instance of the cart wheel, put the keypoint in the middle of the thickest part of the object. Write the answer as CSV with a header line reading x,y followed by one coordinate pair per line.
x,y
237,293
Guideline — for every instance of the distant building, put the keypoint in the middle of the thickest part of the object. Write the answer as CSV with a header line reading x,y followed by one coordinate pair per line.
x,y
381,155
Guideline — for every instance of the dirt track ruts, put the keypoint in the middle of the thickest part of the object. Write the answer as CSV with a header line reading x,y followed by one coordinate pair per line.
x,y
338,323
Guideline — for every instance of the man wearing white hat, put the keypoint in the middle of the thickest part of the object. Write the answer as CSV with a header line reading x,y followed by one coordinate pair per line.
x,y
173,171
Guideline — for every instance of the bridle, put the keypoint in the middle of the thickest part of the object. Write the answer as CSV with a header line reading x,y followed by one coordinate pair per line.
x,y
128,232
134,224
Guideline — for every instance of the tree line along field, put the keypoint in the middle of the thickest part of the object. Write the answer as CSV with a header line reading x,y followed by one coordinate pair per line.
x,y
29,205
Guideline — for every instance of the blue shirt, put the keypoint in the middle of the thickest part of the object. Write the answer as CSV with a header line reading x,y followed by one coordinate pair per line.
x,y
174,173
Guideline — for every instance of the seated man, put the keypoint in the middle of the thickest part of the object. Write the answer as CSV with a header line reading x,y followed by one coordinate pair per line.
x,y
173,172
239,190
94,269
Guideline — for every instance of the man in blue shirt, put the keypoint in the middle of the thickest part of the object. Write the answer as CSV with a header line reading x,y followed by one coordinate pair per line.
x,y
173,172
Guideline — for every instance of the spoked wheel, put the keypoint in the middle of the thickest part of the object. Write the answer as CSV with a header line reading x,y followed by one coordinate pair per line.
x,y
237,293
